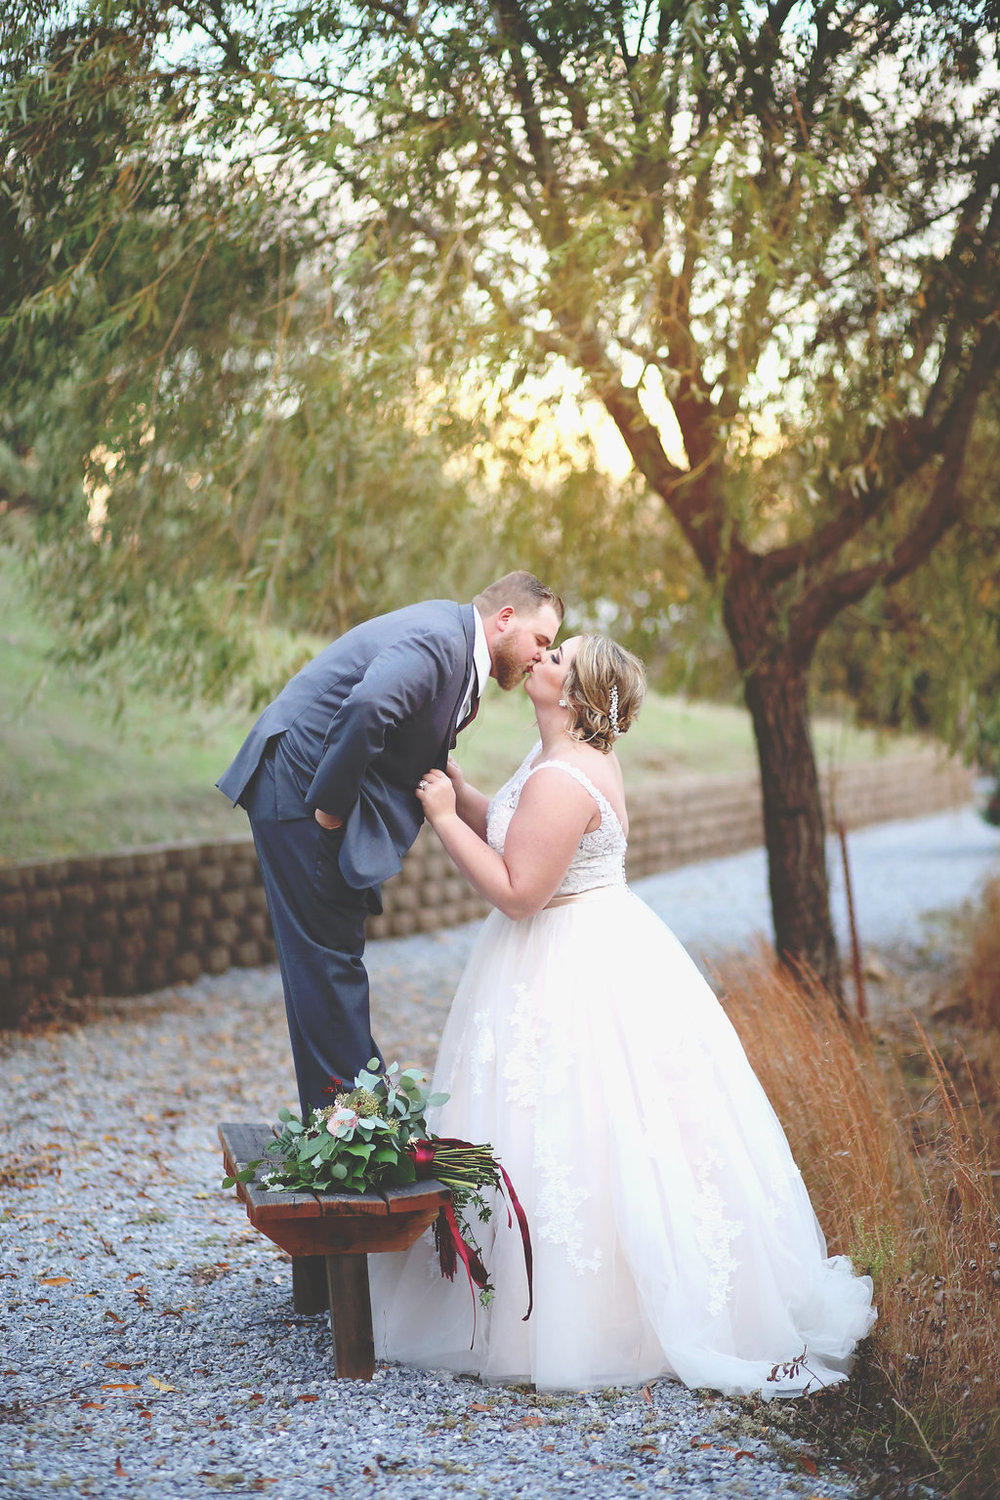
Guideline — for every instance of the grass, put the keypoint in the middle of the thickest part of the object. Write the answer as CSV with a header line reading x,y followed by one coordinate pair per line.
x,y
75,780
897,1155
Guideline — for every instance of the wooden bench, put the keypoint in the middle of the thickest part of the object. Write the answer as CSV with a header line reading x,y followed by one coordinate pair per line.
x,y
329,1237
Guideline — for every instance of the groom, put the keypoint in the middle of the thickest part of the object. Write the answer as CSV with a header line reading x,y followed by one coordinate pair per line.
x,y
327,777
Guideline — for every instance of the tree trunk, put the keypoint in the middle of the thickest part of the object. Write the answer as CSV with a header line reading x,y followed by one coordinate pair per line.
x,y
775,687
777,697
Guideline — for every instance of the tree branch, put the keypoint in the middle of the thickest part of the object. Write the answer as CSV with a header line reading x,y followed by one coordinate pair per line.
x,y
826,599
538,143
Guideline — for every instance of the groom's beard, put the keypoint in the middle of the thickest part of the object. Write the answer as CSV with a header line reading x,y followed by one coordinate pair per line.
x,y
508,669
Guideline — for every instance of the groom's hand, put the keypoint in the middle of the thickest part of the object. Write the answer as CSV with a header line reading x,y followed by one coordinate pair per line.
x,y
327,820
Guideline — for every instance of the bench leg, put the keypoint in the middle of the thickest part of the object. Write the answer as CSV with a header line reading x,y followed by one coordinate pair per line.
x,y
351,1316
309,1289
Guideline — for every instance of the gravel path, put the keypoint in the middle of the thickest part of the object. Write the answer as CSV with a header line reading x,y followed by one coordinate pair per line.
x,y
149,1347
905,875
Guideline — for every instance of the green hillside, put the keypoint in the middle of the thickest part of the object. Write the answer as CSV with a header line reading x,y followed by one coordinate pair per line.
x,y
74,781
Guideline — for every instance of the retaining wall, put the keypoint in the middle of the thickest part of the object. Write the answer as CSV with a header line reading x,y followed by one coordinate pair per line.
x,y
137,920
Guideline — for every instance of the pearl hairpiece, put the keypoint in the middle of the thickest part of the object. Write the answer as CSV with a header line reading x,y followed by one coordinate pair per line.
x,y
613,711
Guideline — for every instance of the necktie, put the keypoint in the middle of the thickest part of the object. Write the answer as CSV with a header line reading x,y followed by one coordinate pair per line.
x,y
473,710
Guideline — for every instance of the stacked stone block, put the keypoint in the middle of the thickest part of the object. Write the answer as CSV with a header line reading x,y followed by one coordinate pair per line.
x,y
143,919
126,923
428,893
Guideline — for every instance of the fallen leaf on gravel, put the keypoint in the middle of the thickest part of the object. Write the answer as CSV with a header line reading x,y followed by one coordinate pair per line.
x,y
531,1420
479,1406
114,1364
119,1470
110,1314
91,1405
647,1394
161,1385
205,1275
307,1398
54,1280
808,1464
120,1386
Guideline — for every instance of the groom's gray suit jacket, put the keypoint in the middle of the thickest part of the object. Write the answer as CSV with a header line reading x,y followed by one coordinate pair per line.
x,y
355,730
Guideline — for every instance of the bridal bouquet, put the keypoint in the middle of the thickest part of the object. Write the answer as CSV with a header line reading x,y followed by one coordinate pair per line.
x,y
374,1135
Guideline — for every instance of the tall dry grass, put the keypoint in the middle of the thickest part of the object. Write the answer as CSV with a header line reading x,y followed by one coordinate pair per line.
x,y
902,1184
972,1011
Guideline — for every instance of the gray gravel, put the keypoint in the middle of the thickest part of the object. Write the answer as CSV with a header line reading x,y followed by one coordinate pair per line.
x,y
905,876
149,1347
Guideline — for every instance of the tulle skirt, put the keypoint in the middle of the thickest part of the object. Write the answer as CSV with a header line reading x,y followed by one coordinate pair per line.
x,y
672,1232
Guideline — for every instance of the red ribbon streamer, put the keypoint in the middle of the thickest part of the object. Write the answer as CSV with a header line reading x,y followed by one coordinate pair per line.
x,y
448,1237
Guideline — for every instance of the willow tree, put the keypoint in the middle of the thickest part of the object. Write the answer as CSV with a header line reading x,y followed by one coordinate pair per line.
x,y
192,444
762,236
777,222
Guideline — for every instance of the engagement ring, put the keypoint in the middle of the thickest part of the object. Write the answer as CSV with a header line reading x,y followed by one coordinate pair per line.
x,y
421,786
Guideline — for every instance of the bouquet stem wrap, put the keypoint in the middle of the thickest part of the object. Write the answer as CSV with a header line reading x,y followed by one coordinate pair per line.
x,y
448,1238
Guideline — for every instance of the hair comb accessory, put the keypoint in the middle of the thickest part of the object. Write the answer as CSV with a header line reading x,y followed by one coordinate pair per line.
x,y
613,711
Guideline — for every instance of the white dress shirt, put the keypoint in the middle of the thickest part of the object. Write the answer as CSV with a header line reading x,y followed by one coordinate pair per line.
x,y
481,663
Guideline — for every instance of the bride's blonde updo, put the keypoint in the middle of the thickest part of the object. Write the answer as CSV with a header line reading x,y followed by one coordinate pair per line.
x,y
604,687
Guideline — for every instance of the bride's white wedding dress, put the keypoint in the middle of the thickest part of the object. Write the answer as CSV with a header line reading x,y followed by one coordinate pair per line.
x,y
672,1232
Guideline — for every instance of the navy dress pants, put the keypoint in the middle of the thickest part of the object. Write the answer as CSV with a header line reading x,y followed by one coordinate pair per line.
x,y
318,922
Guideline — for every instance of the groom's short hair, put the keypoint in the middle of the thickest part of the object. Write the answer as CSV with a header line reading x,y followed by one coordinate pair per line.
x,y
522,590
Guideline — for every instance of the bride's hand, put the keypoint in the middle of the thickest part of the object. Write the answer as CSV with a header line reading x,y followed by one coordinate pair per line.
x,y
454,773
436,796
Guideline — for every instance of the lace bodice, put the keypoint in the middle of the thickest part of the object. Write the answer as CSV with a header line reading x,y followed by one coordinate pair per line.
x,y
600,856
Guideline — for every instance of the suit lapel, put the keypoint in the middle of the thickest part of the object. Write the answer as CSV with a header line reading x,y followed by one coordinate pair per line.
x,y
469,626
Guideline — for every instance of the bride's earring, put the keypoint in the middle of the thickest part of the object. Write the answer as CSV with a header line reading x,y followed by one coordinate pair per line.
x,y
563,703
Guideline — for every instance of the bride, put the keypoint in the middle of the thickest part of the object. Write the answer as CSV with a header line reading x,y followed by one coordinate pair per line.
x,y
672,1232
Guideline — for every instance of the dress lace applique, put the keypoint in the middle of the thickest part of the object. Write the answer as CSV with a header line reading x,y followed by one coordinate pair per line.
x,y
558,1210
715,1234
524,1069
783,1189
482,1053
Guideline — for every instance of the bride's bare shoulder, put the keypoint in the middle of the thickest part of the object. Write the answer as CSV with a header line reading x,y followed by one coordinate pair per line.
x,y
603,770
